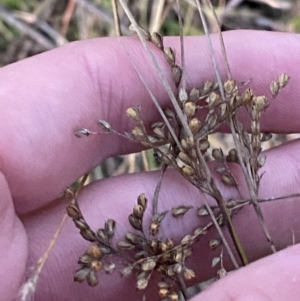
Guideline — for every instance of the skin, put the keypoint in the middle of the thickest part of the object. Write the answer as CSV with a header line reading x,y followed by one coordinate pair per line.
x,y
45,98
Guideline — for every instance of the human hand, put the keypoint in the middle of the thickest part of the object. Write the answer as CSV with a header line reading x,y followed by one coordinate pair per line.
x,y
45,98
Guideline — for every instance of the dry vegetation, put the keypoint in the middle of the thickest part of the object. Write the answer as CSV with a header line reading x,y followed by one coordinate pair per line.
x,y
180,140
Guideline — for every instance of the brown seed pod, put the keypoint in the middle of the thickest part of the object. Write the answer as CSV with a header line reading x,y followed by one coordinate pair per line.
x,y
143,31
92,278
148,265
260,102
125,245
157,40
94,251
202,211
96,265
195,125
187,239
177,74
283,80
188,274
138,211
81,274
274,88
232,156
104,125
81,224
133,114
88,234
247,96
102,236
142,200
184,157
163,292
74,212
229,86
154,228
110,226
188,170
138,133
189,109
135,222
213,100
170,56
207,87
180,210
85,259
135,239
194,94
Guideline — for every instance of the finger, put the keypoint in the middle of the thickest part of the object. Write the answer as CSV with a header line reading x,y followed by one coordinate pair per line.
x,y
73,86
273,278
112,199
13,245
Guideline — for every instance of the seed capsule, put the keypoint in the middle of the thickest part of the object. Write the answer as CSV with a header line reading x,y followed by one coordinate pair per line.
x,y
188,274
148,265
157,40
109,268
142,284
135,222
96,265
214,243
173,296
177,74
88,234
180,210
110,226
202,211
74,212
189,109
283,80
94,251
195,125
170,55
274,88
125,245
218,154
126,271
81,274
104,125
133,114
229,86
92,279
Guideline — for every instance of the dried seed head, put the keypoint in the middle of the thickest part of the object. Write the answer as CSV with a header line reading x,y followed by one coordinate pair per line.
x,y
188,274
170,55
218,154
148,264
94,251
92,278
177,74
157,40
104,125
73,211
142,284
180,210
229,86
135,222
96,266
195,125
189,109
283,80
110,226
133,114
274,88
214,243
142,200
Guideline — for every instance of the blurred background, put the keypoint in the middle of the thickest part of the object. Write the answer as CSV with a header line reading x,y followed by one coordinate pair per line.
x,y
29,27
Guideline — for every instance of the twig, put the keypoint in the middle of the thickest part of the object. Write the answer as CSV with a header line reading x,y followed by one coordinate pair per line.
x,y
116,18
